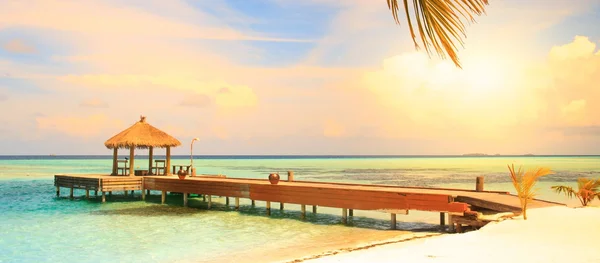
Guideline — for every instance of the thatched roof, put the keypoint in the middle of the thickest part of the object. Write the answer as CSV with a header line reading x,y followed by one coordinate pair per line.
x,y
141,135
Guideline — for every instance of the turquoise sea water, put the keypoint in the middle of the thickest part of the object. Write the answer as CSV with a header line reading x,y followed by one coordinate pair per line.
x,y
36,226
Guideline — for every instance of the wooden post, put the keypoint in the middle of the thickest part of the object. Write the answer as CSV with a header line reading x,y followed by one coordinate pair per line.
x,y
103,196
150,157
209,201
185,199
115,156
281,205
168,168
163,197
314,209
131,161
351,212
237,203
58,191
344,215
303,212
268,208
393,221
96,192
87,193
125,193
109,193
253,203
290,176
147,191
451,222
442,219
71,194
203,198
227,201
479,184
143,194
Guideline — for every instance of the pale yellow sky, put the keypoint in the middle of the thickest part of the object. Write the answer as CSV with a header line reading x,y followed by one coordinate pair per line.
x,y
281,77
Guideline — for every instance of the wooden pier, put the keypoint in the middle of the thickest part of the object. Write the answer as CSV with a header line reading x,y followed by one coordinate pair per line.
x,y
463,207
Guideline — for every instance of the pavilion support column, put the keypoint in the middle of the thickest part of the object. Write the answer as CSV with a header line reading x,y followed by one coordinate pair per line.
x,y
185,199
268,208
163,197
344,215
131,161
168,168
393,221
350,212
150,156
237,203
114,168
314,209
103,197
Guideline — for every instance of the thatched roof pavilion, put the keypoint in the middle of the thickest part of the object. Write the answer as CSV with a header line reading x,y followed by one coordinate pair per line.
x,y
141,135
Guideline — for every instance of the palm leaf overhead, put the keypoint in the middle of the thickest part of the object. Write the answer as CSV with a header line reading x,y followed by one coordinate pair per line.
x,y
439,24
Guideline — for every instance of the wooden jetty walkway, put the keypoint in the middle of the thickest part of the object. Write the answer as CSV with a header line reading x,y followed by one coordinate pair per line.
x,y
463,207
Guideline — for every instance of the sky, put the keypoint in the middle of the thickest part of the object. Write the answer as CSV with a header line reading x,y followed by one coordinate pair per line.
x,y
296,77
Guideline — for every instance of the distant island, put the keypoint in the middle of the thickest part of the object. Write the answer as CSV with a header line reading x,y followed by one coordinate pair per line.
x,y
497,154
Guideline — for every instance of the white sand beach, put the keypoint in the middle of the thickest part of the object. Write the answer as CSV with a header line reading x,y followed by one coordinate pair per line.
x,y
555,234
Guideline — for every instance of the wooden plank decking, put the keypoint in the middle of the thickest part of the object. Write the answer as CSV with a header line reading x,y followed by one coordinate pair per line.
x,y
464,205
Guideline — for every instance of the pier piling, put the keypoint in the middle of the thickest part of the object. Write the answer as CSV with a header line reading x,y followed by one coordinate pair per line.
x,y
103,197
71,194
351,212
227,201
314,209
253,203
344,215
163,197
58,191
185,199
303,212
87,193
209,201
479,184
268,208
393,216
237,203
442,219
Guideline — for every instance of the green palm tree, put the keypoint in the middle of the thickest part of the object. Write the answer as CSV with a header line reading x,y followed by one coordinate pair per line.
x,y
587,190
440,26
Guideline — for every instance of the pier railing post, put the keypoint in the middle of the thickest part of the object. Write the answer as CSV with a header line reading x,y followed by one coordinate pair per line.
x,y
479,184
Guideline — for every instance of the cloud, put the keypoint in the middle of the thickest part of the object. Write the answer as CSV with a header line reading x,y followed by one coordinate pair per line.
x,y
195,100
86,127
18,46
93,103
89,18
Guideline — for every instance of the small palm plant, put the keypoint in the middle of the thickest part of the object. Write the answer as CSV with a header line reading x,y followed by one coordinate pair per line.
x,y
523,181
588,189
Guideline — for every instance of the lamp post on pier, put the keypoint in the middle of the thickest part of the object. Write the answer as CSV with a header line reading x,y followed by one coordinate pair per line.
x,y
192,156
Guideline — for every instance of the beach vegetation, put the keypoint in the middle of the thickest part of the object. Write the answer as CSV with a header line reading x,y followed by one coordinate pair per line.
x,y
587,190
439,22
524,181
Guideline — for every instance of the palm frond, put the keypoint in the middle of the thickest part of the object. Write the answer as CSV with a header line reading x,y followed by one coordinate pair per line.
x,y
568,191
439,24
524,182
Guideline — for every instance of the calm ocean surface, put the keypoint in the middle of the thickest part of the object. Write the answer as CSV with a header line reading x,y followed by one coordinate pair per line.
x,y
36,226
